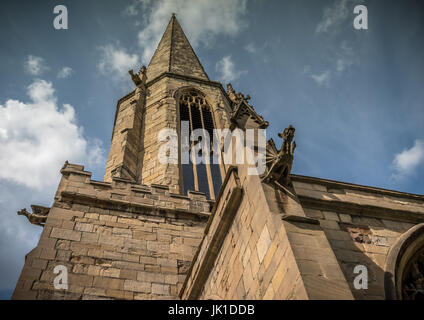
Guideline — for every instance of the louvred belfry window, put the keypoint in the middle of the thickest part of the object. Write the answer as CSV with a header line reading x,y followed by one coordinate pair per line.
x,y
203,177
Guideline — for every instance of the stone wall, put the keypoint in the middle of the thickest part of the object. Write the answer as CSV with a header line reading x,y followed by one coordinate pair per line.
x,y
124,154
254,260
361,223
117,240
126,241
270,245
252,250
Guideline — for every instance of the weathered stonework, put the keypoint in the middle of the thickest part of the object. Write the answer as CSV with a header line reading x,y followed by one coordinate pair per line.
x,y
143,113
117,240
278,247
135,235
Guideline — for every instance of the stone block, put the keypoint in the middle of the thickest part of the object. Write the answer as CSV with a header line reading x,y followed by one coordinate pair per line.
x,y
65,214
111,240
346,218
60,233
160,289
68,225
137,286
108,283
143,235
126,233
329,215
312,213
330,224
86,227
89,237
128,274
263,244
120,294
92,216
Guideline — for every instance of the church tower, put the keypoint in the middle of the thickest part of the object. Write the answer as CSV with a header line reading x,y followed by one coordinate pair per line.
x,y
135,234
174,88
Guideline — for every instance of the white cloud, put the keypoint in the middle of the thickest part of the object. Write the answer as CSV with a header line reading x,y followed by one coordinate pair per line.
x,y
65,73
35,65
116,61
322,79
339,51
132,9
406,162
38,136
334,16
227,71
202,20
259,51
306,69
342,64
345,57
251,48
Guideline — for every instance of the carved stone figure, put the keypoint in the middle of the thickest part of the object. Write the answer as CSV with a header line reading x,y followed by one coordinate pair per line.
x,y
238,97
38,216
139,78
64,165
279,162
287,135
231,93
242,110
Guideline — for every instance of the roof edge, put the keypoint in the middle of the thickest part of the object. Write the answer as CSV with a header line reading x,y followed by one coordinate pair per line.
x,y
334,184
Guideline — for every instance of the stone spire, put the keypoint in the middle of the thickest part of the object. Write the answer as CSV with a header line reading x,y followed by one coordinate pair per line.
x,y
174,54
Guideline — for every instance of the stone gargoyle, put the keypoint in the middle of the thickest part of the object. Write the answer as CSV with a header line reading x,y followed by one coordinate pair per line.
x,y
139,78
279,162
38,216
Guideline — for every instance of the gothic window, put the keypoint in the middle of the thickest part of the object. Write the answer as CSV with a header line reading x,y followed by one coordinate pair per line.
x,y
413,278
404,268
203,177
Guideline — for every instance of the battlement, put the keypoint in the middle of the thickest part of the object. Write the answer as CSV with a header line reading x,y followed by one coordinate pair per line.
x,y
125,195
117,240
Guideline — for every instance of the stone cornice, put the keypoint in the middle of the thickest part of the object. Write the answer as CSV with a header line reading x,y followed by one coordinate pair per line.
x,y
189,78
332,184
128,206
361,209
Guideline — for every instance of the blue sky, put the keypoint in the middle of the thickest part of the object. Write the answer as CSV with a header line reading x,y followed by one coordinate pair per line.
x,y
354,96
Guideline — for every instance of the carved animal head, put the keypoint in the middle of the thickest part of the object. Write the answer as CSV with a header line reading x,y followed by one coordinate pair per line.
x,y
287,134
22,212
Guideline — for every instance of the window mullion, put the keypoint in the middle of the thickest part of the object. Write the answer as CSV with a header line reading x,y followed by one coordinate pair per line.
x,y
196,182
208,154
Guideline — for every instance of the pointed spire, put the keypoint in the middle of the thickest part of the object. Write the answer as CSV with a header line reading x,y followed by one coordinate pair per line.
x,y
174,54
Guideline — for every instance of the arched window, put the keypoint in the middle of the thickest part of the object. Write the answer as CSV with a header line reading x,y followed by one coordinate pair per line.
x,y
413,277
404,269
203,177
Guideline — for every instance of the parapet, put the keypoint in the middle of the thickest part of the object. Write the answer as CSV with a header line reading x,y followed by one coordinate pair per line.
x,y
125,195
